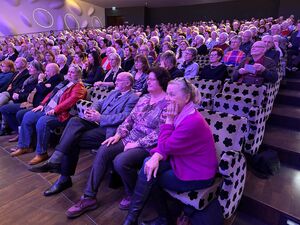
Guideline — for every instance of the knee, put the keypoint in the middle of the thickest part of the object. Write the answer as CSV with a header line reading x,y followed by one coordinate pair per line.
x,y
119,163
102,154
28,118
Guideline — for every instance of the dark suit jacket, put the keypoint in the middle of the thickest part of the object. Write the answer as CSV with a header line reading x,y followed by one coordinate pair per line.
x,y
18,82
270,75
114,110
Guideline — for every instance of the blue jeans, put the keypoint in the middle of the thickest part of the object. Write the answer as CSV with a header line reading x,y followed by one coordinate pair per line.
x,y
13,114
42,124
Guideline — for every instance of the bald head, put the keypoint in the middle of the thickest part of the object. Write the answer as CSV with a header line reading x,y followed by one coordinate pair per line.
x,y
51,70
258,49
124,81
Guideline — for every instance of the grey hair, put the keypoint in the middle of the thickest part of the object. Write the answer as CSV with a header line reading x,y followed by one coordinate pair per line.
x,y
188,88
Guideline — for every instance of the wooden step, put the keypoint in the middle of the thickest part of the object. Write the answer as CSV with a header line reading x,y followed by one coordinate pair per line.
x,y
285,116
291,84
288,97
275,200
286,142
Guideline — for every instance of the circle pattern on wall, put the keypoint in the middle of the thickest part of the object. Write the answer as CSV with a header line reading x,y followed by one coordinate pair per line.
x,y
96,22
43,17
71,22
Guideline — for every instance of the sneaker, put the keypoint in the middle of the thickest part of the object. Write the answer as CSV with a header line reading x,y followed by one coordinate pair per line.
x,y
82,206
125,203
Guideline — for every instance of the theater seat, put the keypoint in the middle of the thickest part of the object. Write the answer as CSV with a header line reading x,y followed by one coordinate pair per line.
x,y
229,133
208,89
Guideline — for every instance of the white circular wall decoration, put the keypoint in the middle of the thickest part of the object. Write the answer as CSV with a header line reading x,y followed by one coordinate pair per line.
x,y
25,20
43,17
71,22
91,11
96,22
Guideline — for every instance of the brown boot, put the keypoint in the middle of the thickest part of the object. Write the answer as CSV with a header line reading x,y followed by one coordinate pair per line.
x,y
21,151
38,159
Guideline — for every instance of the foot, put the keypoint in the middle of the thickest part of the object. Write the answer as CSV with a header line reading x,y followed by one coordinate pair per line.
x,y
125,203
14,139
157,221
46,167
58,187
21,151
83,205
38,159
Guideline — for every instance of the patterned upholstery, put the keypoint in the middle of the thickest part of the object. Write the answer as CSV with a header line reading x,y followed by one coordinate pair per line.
x,y
202,61
98,93
240,106
208,89
229,133
255,92
95,94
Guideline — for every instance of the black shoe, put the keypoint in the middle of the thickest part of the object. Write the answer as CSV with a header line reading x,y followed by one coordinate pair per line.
x,y
58,187
46,167
157,221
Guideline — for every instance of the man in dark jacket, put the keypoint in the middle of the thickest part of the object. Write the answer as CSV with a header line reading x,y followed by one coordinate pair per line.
x,y
256,69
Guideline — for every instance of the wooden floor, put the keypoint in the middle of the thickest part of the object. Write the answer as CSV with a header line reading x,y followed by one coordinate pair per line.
x,y
22,201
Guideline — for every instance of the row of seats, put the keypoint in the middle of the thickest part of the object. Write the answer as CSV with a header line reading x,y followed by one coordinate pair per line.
x,y
236,114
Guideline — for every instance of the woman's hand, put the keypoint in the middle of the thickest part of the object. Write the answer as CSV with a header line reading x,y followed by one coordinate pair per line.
x,y
152,165
172,111
38,108
130,145
112,140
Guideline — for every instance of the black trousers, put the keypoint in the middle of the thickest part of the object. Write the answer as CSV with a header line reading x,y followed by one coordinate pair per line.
x,y
78,134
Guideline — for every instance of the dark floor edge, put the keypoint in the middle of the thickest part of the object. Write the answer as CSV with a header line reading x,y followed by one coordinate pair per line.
x,y
265,213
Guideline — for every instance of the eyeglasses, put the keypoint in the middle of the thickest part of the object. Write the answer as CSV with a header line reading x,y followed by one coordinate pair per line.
x,y
185,82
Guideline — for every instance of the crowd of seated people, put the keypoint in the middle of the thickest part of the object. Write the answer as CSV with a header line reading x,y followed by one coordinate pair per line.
x,y
44,75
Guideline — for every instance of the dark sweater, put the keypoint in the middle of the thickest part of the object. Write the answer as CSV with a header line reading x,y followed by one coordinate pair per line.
x,y
214,73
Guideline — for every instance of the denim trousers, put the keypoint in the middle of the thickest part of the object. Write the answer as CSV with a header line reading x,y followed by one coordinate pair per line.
x,y
41,124
13,115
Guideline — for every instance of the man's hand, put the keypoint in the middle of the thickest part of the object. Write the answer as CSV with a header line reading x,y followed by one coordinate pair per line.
x,y
50,113
15,96
259,67
92,115
38,108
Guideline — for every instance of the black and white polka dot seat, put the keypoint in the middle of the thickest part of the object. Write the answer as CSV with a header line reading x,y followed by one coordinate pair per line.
x,y
95,94
243,106
208,89
229,133
202,61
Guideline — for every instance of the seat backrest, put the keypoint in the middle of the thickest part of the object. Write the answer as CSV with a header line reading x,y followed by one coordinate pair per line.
x,y
202,60
98,93
228,130
256,92
207,88
229,133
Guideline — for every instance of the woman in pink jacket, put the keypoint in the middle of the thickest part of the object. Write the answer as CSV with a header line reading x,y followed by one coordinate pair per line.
x,y
185,157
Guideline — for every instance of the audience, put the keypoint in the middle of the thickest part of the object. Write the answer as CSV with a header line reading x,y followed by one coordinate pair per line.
x,y
130,145
54,111
234,56
184,139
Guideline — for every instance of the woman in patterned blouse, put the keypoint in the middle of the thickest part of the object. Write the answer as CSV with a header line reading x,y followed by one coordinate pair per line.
x,y
130,145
